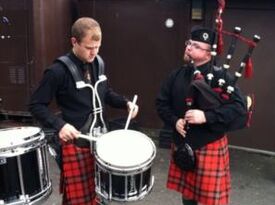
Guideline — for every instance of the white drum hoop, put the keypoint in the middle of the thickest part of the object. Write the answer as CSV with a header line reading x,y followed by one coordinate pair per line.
x,y
18,140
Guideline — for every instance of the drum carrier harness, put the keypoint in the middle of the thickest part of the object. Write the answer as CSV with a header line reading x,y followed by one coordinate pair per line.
x,y
90,125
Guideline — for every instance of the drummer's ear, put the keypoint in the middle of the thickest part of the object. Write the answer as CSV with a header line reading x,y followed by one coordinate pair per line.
x,y
73,41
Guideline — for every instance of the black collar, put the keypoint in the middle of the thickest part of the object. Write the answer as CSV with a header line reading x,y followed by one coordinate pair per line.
x,y
204,69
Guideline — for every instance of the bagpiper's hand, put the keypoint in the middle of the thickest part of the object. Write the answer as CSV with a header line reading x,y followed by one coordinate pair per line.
x,y
180,125
195,116
135,108
68,132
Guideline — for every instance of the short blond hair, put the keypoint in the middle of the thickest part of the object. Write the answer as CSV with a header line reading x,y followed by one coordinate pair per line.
x,y
84,25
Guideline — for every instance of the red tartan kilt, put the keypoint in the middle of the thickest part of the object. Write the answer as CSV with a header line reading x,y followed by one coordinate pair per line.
x,y
77,177
209,183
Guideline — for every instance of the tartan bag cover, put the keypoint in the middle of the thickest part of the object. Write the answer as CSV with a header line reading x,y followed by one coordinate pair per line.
x,y
209,183
77,177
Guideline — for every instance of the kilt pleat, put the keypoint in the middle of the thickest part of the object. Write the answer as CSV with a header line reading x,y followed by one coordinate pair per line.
x,y
77,176
209,183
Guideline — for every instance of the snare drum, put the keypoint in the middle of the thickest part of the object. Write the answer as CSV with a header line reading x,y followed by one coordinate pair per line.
x,y
24,176
123,165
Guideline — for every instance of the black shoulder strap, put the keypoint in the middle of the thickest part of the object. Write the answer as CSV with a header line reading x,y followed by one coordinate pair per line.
x,y
72,68
100,64
74,71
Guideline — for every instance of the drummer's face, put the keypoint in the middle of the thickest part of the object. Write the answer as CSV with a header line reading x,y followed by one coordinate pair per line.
x,y
87,49
198,51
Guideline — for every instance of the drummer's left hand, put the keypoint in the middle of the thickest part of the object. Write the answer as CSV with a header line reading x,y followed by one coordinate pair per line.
x,y
131,105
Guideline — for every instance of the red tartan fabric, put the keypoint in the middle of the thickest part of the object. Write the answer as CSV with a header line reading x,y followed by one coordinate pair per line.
x,y
209,183
77,177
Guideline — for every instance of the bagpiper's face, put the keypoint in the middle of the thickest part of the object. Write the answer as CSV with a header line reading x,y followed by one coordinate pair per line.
x,y
87,49
197,51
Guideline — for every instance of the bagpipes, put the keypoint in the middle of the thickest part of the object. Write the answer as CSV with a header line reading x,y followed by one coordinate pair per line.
x,y
209,92
206,93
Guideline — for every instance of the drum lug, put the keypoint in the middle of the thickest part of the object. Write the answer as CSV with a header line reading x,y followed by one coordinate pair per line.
x,y
133,189
24,198
96,132
3,161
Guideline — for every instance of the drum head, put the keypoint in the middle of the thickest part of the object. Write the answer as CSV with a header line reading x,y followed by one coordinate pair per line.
x,y
13,137
125,148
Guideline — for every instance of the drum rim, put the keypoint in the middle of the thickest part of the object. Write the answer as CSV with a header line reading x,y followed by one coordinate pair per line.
x,y
122,169
15,149
20,151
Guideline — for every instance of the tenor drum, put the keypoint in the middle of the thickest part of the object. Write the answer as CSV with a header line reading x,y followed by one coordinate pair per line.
x,y
123,165
24,177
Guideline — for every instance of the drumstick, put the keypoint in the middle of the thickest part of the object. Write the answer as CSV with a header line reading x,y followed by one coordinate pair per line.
x,y
131,111
87,137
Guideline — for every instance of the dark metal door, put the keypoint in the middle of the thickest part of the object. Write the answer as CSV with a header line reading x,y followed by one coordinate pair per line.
x,y
32,35
14,32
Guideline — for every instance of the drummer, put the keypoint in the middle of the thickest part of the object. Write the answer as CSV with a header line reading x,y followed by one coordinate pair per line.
x,y
77,168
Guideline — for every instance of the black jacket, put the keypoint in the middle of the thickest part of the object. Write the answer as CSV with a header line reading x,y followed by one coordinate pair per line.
x,y
74,104
171,106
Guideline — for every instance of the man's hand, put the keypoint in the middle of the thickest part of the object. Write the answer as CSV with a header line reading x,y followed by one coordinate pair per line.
x,y
195,117
180,125
130,106
68,132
